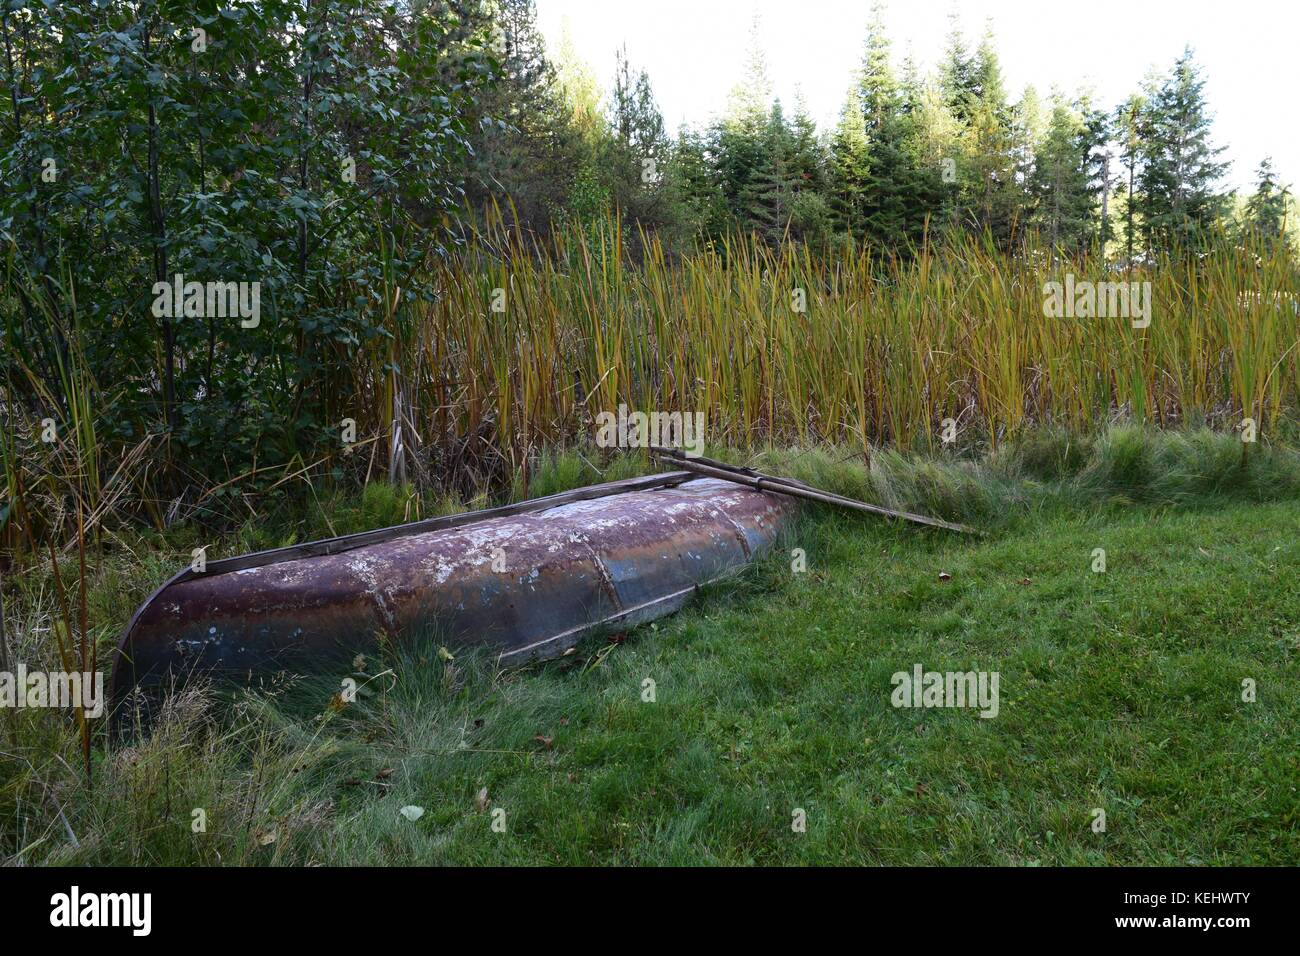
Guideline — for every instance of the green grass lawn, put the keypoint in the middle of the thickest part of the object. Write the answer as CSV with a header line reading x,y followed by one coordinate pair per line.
x,y
1119,690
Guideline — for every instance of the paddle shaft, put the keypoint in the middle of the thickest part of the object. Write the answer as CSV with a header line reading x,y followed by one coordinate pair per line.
x,y
797,489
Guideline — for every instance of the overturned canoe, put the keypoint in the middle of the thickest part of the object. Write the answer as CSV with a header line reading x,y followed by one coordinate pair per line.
x,y
525,581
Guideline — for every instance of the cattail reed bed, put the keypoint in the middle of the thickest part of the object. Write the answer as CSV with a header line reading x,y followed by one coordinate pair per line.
x,y
780,345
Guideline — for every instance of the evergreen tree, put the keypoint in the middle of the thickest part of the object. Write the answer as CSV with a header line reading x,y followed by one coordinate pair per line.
x,y
936,141
1129,125
767,197
750,99
1266,211
634,115
957,74
696,184
1061,186
808,160
1179,168
754,148
811,217
636,154
889,197
878,88
994,200
910,89
850,175
1094,147
1027,126
524,144
900,195
880,191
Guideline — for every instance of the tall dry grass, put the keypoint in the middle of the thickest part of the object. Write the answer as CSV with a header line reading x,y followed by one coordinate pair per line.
x,y
884,352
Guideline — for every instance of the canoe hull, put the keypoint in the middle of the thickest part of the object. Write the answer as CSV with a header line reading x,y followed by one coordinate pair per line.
x,y
526,586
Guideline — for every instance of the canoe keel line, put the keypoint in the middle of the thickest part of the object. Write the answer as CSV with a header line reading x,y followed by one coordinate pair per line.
x,y
527,581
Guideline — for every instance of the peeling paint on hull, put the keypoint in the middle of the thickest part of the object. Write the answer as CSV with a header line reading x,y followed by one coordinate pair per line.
x,y
617,560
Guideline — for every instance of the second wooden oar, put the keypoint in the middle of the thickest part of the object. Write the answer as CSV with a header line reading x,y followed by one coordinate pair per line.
x,y
796,489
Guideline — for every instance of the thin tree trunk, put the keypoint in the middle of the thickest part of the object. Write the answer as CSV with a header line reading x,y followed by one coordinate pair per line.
x,y
1128,232
1105,201
38,221
158,229
305,138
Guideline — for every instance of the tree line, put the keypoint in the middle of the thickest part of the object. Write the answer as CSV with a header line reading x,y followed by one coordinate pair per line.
x,y
912,154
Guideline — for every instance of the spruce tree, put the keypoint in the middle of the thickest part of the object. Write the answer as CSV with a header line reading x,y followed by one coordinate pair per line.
x,y
1027,126
636,154
877,85
850,174
1266,211
767,198
1094,148
695,181
1061,185
888,196
993,197
957,81
1179,167
523,143
880,192
742,145
810,212
1128,127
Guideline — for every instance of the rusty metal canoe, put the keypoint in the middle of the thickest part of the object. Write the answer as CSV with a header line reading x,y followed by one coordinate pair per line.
x,y
526,581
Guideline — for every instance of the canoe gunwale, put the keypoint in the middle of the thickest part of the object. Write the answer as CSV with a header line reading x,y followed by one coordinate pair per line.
x,y
361,539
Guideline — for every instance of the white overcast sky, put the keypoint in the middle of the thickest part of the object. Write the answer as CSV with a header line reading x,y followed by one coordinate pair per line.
x,y
694,51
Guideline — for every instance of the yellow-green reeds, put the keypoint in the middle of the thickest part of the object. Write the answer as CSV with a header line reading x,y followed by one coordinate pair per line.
x,y
792,344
